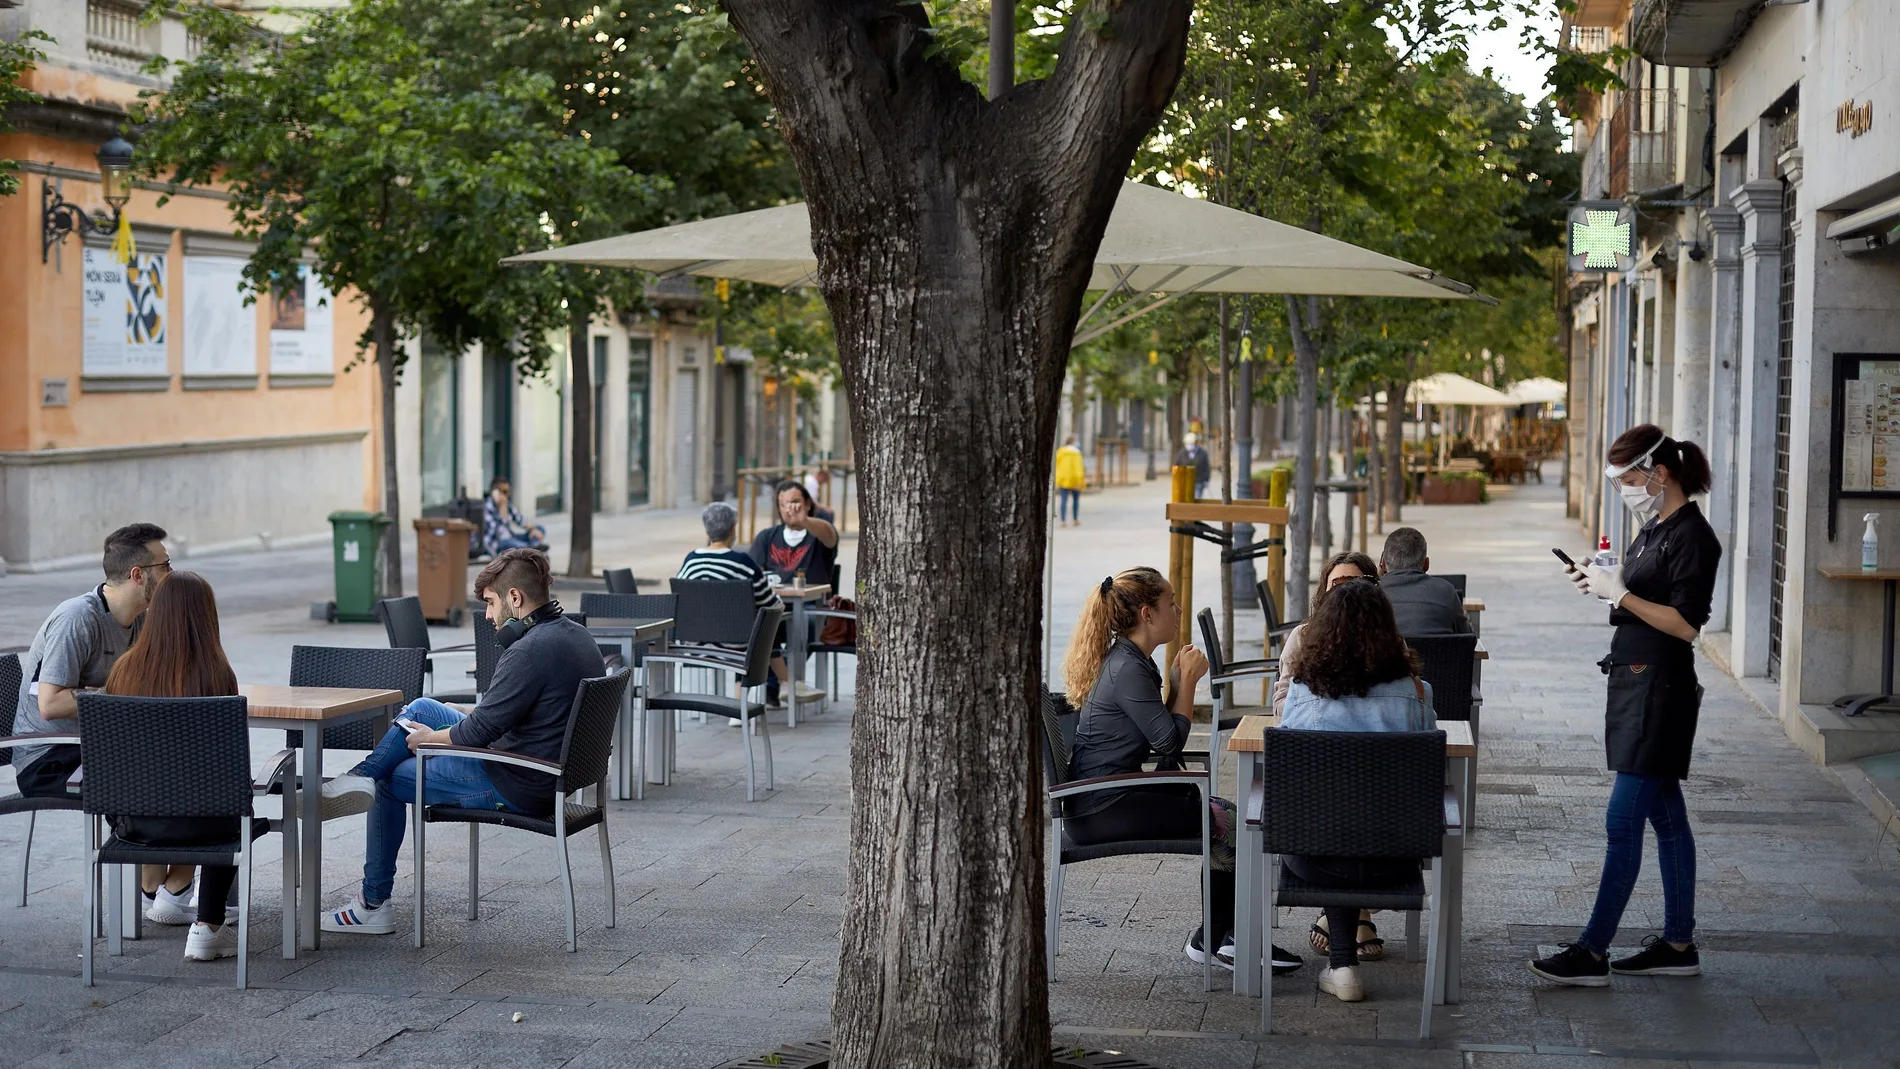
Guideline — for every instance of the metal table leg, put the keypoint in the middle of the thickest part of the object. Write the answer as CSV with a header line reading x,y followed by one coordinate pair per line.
x,y
795,659
1855,704
310,867
1249,886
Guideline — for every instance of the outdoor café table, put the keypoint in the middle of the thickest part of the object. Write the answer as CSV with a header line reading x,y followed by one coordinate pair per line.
x,y
310,710
628,633
800,598
1474,607
1250,867
1855,704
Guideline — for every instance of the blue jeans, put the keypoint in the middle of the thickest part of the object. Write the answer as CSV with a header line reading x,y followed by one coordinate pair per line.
x,y
1636,801
459,781
530,540
1071,503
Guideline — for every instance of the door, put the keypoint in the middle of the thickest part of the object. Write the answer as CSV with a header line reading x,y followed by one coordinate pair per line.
x,y
639,397
600,413
686,437
441,424
498,416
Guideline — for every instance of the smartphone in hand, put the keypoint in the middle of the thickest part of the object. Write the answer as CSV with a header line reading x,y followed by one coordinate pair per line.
x,y
412,726
1565,557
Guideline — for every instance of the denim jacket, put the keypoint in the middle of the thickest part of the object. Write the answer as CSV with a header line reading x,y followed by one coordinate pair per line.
x,y
1390,706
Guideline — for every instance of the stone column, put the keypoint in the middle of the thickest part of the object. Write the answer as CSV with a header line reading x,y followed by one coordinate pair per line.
x,y
1662,355
1751,553
1725,301
1689,401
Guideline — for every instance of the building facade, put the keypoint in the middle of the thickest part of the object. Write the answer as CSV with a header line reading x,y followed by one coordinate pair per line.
x,y
1763,318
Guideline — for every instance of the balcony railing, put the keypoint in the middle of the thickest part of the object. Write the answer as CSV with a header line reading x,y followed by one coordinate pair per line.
x,y
1589,40
114,35
1643,135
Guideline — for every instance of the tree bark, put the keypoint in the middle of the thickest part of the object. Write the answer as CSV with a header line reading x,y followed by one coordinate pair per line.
x,y
382,332
581,504
1395,448
955,237
1299,528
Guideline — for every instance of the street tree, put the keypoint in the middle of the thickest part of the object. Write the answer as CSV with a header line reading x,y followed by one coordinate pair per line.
x,y
363,141
16,58
954,237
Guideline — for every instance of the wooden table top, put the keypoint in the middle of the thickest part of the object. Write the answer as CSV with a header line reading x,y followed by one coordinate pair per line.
x,y
1841,571
629,626
1249,737
271,702
1474,604
1479,653
809,592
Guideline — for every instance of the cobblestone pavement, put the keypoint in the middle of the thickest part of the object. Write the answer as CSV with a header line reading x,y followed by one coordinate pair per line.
x,y
728,912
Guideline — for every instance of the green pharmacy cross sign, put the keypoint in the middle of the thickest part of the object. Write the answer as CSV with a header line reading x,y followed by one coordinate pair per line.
x,y
1602,237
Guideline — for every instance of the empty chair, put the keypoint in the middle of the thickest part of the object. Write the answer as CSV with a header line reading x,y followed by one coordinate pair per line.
x,y
714,613
748,676
1277,631
1058,736
1349,794
350,666
407,628
626,606
1447,665
619,580
1457,581
1221,676
15,803
172,757
583,762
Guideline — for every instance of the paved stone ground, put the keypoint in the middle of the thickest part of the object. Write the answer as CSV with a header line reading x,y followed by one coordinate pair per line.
x,y
728,912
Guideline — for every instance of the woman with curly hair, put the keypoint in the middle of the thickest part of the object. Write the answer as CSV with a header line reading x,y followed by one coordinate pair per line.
x,y
1353,672
1340,568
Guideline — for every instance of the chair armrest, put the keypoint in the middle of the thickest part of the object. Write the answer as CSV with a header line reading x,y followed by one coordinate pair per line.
x,y
1454,819
483,753
1283,630
280,766
466,647
693,662
11,741
1253,665
1256,801
831,614
1127,779
1233,675
711,653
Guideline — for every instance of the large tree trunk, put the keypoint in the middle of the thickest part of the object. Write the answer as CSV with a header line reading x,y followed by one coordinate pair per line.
x,y
1299,528
581,504
955,239
382,332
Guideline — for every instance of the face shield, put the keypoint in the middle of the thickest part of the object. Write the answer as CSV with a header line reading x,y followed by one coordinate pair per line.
x,y
1645,464
1638,497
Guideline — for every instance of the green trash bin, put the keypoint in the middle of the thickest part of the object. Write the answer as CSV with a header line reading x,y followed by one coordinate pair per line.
x,y
359,580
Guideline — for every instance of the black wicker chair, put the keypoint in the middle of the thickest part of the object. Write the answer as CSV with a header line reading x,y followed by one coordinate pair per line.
x,y
10,680
172,757
1277,630
1457,581
1221,676
407,628
583,762
1356,794
627,606
619,581
1058,734
1448,661
748,675
349,666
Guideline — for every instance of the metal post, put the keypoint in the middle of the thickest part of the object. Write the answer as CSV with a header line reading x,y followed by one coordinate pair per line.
x,y
1002,46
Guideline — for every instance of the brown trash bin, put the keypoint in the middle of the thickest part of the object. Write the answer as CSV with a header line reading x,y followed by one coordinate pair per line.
x,y
442,568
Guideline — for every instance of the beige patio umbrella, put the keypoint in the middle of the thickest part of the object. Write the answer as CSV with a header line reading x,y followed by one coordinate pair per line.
x,y
1537,391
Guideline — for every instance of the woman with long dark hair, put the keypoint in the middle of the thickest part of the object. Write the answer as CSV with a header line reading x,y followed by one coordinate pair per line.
x,y
1353,672
179,654
1339,568
1659,599
1124,722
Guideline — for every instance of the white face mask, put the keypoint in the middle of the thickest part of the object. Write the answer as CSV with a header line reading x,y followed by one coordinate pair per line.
x,y
1640,500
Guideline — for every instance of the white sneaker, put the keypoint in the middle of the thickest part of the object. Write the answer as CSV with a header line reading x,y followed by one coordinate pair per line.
x,y
349,787
1343,983
808,694
167,908
205,943
359,918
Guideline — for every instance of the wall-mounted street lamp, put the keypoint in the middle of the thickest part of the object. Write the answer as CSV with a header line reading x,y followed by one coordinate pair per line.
x,y
58,218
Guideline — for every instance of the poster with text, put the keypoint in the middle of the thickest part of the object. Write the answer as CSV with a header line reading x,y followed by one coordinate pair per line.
x,y
220,329
300,327
125,315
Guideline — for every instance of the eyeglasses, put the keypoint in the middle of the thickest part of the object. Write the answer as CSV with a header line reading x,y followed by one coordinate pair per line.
x,y
157,564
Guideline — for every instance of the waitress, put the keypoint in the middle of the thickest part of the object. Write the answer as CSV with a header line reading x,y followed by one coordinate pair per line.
x,y
1659,600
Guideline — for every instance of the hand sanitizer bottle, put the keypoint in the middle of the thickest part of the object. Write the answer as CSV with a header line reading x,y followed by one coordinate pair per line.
x,y
1870,544
1606,557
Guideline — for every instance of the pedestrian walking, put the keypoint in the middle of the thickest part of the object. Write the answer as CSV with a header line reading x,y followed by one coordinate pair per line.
x,y
1071,477
1192,455
1659,598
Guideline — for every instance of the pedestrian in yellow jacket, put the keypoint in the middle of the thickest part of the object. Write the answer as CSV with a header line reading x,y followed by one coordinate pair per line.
x,y
1071,477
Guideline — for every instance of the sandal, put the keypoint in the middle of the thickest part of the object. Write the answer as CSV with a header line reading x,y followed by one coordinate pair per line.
x,y
1372,949
1318,937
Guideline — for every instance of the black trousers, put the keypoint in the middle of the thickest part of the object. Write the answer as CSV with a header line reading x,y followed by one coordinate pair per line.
x,y
1171,811
46,776
215,881
1342,922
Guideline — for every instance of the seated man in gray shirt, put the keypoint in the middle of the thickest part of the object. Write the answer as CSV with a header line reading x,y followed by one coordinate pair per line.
x,y
74,651
525,710
1422,604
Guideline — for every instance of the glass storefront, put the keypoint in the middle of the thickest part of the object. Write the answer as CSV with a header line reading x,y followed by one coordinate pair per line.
x,y
441,424
639,394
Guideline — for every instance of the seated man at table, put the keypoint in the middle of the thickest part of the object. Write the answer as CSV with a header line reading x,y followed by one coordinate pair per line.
x,y
525,710
1422,604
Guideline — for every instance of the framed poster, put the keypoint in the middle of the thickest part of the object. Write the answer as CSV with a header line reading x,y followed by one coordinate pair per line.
x,y
220,329
300,339
125,315
1866,429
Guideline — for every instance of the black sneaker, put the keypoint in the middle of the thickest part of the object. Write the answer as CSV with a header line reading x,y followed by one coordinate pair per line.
x,y
1196,952
1573,965
1658,958
1285,962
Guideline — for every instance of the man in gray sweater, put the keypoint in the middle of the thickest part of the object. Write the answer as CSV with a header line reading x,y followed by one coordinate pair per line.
x,y
525,710
1422,604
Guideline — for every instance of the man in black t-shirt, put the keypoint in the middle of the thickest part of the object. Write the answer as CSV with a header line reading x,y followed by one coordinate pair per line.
x,y
800,542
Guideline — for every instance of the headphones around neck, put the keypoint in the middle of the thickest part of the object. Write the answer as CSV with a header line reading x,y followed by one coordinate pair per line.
x,y
509,633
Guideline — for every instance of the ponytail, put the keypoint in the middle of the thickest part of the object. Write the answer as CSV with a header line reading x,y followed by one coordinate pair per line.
x,y
1693,470
1113,608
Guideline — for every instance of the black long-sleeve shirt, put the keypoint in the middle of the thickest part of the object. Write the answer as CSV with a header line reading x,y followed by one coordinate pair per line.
x,y
1123,722
526,707
1671,562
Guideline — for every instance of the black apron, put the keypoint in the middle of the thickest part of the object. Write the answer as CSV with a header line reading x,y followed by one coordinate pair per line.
x,y
1650,720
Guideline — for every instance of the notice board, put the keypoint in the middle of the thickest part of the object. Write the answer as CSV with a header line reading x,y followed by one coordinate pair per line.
x,y
1866,430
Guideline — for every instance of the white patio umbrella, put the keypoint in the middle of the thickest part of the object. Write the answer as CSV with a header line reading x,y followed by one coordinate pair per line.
x,y
1448,388
1537,391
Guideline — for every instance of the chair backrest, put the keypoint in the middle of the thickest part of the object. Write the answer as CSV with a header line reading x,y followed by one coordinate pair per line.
x,y
1267,605
627,606
619,580
590,729
1210,645
9,698
1447,661
1457,581
165,757
1058,737
404,623
1354,793
713,610
487,652
758,647
351,666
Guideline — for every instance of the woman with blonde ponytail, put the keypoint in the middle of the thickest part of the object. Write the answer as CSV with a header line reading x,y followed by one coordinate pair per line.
x,y
1124,722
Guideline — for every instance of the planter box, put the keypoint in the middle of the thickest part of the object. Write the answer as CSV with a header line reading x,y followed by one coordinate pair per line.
x,y
1437,491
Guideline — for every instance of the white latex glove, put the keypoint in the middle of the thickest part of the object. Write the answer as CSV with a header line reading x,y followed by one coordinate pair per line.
x,y
1605,583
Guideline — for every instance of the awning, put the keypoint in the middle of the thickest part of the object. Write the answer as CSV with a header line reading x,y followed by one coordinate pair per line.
x,y
1446,388
1537,391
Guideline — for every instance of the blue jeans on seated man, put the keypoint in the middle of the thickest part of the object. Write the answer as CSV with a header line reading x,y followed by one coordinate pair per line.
x,y
458,781
528,541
